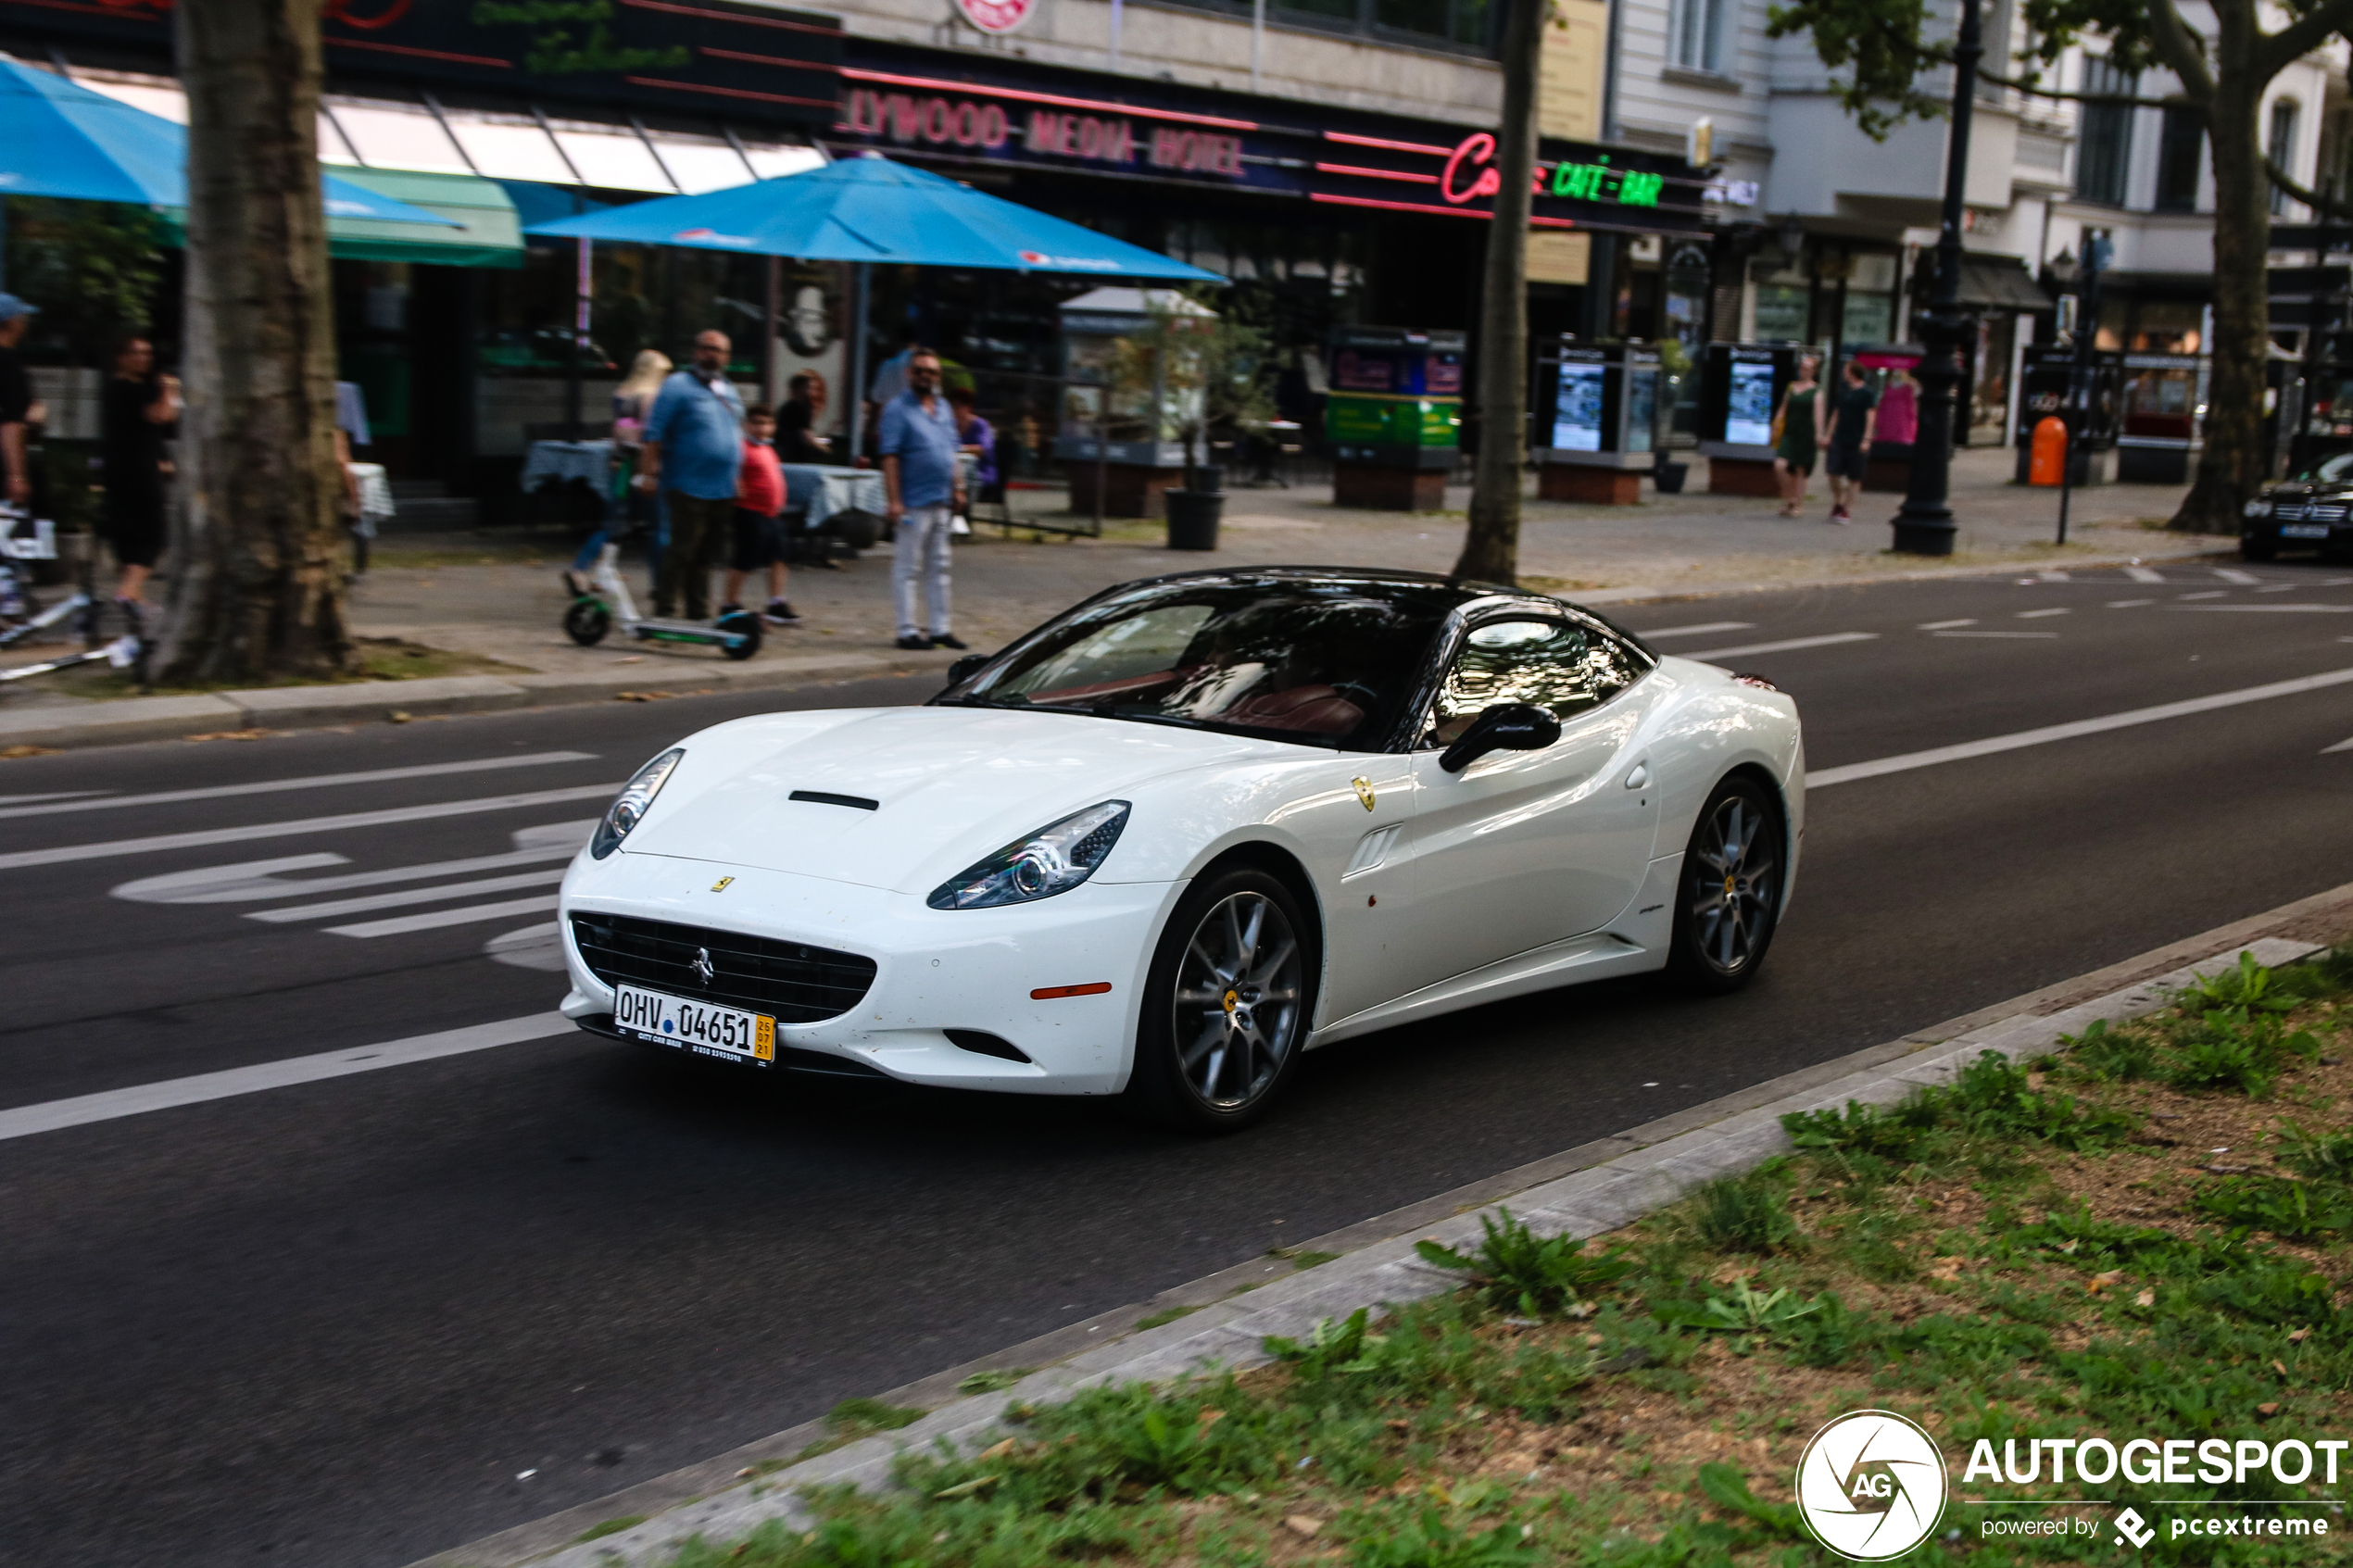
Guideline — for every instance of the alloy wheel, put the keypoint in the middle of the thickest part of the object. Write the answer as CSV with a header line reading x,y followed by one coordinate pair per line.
x,y
1236,1012
1735,876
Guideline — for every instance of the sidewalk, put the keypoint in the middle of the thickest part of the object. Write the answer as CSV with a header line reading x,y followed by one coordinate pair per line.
x,y
498,596
482,609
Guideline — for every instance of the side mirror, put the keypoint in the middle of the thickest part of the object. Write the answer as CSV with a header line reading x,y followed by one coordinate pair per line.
x,y
965,669
1507,726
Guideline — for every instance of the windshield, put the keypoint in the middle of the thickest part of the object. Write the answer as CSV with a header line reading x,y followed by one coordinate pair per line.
x,y
1327,662
2331,471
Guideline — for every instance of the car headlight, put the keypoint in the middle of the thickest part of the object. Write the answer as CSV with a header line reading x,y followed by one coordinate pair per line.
x,y
1053,860
2259,509
628,808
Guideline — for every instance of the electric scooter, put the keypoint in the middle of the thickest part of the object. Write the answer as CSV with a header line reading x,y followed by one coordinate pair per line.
x,y
589,617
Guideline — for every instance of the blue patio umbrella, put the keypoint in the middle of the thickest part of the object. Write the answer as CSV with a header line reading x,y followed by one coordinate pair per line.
x,y
58,138
871,209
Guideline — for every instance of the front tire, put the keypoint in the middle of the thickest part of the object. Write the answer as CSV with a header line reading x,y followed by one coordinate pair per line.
x,y
2252,548
1727,898
1227,1006
586,622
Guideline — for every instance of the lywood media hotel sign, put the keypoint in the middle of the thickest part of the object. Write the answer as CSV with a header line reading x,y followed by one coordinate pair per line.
x,y
966,121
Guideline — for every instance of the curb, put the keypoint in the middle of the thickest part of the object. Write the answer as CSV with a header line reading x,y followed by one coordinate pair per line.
x,y
1595,1188
285,707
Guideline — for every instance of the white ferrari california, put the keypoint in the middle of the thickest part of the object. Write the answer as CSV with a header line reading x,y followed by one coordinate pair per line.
x,y
1187,830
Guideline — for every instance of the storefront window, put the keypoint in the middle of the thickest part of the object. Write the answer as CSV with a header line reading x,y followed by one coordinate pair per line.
x,y
1465,25
1458,22
2168,326
1866,318
1781,313
1989,399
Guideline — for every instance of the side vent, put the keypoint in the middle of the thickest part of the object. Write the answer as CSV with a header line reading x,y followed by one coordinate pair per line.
x,y
1373,849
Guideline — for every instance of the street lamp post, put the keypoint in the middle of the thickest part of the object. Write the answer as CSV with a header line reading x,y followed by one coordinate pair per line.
x,y
1924,526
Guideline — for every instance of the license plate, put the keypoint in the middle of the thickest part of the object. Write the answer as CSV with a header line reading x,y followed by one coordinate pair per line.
x,y
2304,531
729,1034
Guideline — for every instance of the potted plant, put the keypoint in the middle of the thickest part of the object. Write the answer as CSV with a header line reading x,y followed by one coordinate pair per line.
x,y
1215,371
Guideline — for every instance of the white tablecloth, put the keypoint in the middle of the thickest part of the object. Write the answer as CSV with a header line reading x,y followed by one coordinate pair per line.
x,y
552,462
825,489
375,497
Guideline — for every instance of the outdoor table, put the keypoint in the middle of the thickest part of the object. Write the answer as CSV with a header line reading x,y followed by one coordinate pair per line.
x,y
823,489
552,462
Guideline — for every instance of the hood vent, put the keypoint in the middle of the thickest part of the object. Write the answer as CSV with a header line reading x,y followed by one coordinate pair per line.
x,y
820,797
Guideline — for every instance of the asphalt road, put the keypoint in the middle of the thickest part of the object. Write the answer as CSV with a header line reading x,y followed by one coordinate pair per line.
x,y
334,1323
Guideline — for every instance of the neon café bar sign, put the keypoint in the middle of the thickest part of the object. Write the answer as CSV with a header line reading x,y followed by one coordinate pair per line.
x,y
966,122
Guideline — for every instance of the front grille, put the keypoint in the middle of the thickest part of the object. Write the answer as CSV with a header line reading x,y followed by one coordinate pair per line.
x,y
2320,513
791,980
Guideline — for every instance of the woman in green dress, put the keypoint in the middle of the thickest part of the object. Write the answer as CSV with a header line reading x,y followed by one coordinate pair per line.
x,y
1800,419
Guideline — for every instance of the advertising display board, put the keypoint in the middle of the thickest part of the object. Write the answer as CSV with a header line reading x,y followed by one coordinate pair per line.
x,y
1741,385
1394,415
2045,373
1594,427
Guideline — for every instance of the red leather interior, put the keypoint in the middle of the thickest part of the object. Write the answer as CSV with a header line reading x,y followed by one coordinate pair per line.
x,y
1316,710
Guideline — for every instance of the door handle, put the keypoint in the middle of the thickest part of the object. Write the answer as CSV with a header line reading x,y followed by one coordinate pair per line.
x,y
1639,776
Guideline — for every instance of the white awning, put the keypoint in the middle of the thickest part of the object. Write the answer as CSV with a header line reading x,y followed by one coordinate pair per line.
x,y
387,134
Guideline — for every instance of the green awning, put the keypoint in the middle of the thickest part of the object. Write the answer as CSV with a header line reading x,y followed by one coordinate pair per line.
x,y
490,232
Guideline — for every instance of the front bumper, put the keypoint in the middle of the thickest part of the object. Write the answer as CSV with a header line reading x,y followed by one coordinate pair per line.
x,y
936,970
2300,525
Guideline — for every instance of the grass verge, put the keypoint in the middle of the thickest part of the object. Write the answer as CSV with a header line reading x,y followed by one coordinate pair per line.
x,y
2144,1236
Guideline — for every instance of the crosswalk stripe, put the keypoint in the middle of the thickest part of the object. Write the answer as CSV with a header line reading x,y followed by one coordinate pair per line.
x,y
51,1116
2275,609
2048,732
434,894
65,853
2143,574
400,925
314,781
1788,646
2233,574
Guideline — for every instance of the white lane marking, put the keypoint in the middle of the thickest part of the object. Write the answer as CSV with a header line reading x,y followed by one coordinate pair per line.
x,y
315,780
2038,614
1945,625
2279,608
2340,746
2048,732
2001,635
2143,574
1698,627
2279,587
2233,574
2053,577
2129,604
54,794
250,881
2209,593
534,946
434,894
1789,646
119,847
400,925
51,1116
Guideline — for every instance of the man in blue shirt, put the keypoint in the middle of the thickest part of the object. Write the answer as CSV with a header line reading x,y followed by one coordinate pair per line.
x,y
920,480
694,446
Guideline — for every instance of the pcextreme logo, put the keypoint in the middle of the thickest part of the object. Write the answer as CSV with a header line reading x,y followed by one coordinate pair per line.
x,y
1871,1486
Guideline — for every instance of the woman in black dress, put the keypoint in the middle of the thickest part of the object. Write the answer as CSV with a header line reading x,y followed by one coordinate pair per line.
x,y
140,408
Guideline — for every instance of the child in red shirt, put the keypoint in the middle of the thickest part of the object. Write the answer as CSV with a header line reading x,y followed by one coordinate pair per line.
x,y
760,532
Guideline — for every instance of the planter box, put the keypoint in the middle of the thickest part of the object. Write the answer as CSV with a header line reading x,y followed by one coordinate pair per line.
x,y
1385,487
1593,485
1129,489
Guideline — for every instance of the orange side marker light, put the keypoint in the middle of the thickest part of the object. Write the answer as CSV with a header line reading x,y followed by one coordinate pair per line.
x,y
1049,993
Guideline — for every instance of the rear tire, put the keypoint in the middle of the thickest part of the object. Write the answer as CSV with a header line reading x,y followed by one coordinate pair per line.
x,y
1227,1006
1727,894
587,622
746,621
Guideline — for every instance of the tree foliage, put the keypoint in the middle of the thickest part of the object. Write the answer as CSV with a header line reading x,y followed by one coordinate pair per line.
x,y
1877,51
92,267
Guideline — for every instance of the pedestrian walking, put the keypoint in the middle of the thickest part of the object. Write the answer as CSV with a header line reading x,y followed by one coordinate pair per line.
x,y
693,449
922,495
760,529
1854,411
137,413
16,401
1798,425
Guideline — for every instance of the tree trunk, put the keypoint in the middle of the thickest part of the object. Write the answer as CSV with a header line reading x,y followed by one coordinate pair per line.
x,y
2234,463
260,549
1491,545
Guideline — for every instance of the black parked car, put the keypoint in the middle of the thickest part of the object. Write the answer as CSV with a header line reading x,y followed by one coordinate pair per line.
x,y
2313,511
